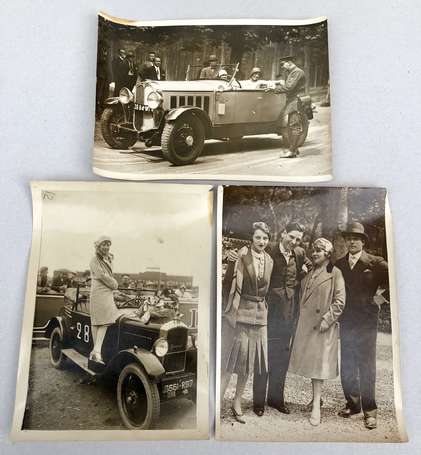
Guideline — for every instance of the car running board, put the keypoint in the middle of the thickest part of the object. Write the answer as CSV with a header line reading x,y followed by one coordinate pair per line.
x,y
80,360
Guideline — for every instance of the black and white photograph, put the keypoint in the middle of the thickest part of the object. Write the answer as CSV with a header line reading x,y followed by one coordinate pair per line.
x,y
115,331
308,329
222,99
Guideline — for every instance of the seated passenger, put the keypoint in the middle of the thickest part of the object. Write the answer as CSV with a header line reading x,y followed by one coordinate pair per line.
x,y
255,79
223,75
60,282
42,281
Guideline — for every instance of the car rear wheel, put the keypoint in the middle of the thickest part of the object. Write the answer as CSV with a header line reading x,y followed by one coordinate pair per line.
x,y
57,357
115,137
297,120
138,398
182,141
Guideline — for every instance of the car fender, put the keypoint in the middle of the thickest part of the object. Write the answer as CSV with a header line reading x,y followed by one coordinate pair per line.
x,y
177,112
147,359
52,324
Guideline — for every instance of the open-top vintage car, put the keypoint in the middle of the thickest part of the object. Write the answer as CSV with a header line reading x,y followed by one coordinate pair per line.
x,y
181,115
154,358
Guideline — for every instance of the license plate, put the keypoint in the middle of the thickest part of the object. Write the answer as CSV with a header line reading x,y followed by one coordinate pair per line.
x,y
142,108
183,385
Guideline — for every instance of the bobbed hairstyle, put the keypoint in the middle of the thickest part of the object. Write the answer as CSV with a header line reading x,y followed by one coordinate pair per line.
x,y
262,226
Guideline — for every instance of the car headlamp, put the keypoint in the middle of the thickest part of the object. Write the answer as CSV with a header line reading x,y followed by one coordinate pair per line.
x,y
154,100
125,96
160,347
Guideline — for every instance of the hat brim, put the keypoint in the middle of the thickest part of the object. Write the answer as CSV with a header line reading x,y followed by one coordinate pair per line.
x,y
355,234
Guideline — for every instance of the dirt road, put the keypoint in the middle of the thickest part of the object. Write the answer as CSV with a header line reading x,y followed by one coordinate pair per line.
x,y
58,401
255,156
295,427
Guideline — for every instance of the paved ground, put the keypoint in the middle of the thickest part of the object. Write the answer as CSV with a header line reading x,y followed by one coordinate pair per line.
x,y
252,155
296,427
58,401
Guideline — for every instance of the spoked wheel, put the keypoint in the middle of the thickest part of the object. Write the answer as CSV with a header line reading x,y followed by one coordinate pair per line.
x,y
138,398
114,136
57,357
182,141
297,125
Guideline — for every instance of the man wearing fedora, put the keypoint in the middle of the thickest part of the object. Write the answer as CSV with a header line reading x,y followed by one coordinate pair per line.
x,y
363,274
211,71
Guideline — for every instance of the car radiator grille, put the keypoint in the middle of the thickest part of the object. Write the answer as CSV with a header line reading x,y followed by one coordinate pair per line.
x,y
139,99
175,360
199,101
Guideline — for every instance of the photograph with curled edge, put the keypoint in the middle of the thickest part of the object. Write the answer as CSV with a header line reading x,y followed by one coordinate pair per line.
x,y
308,336
213,99
115,338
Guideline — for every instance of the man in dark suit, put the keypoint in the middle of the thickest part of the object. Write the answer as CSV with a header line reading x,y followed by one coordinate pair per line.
x,y
363,274
147,69
290,265
160,74
120,69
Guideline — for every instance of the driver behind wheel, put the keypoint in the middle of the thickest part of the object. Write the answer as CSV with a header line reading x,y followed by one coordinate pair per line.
x,y
102,307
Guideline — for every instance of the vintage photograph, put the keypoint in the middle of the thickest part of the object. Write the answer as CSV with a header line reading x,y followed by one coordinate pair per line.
x,y
116,323
308,339
230,99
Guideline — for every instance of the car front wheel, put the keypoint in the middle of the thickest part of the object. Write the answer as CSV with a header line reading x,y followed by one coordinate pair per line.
x,y
114,136
298,121
182,141
138,398
57,357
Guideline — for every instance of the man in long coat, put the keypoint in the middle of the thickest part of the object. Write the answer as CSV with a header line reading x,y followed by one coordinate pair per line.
x,y
363,274
120,70
293,85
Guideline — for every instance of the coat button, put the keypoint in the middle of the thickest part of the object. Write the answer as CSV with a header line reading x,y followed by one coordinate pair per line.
x,y
317,311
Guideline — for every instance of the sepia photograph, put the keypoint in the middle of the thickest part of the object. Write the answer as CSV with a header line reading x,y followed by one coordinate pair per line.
x,y
222,99
116,324
308,338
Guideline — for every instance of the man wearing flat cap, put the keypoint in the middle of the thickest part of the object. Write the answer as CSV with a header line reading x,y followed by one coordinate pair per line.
x,y
211,71
294,84
363,274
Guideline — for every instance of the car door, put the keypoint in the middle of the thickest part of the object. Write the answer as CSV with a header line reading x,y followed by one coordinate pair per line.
x,y
81,326
248,106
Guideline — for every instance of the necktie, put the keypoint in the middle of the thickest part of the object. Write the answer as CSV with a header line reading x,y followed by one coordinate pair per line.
x,y
352,262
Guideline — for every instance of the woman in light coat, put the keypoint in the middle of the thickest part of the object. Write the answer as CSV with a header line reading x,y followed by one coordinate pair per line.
x,y
322,299
244,322
102,307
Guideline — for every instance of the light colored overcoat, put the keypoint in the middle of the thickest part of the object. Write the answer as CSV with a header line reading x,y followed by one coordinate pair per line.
x,y
102,307
315,354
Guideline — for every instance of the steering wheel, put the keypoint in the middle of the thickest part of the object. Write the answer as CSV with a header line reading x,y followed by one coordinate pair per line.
x,y
126,303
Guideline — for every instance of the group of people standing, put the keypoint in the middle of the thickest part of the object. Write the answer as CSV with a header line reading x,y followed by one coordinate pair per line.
x,y
281,312
125,71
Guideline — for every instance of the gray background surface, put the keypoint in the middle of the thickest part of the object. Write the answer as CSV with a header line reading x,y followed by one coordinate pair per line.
x,y
47,90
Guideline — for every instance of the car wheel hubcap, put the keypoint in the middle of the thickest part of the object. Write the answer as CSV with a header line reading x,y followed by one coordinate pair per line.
x,y
189,140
